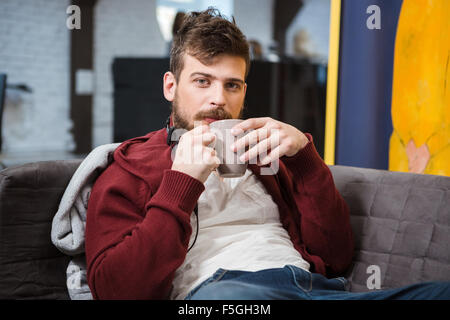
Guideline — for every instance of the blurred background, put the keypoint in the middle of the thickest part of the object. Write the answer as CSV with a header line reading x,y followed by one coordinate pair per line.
x,y
72,80
68,91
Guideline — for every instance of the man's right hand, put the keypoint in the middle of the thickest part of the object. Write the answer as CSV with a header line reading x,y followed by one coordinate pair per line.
x,y
194,156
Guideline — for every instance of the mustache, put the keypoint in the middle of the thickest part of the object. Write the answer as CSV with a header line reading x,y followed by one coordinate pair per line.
x,y
218,113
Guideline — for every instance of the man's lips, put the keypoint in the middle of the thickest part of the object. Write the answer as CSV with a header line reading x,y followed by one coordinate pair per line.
x,y
210,120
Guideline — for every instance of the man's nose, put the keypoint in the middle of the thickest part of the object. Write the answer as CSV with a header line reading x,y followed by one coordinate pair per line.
x,y
218,95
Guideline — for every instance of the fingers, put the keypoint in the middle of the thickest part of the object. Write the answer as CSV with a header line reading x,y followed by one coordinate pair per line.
x,y
207,138
263,149
200,135
251,138
210,158
273,155
263,128
194,156
200,129
196,147
253,123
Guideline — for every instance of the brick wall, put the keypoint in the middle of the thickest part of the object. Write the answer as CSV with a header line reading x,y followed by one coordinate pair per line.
x,y
34,50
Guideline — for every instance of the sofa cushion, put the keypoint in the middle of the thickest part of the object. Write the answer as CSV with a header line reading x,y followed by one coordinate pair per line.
x,y
30,265
401,223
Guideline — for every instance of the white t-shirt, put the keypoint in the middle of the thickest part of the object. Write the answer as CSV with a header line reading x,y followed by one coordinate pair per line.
x,y
239,229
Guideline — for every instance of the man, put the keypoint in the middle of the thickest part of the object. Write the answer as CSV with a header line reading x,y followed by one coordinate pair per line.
x,y
258,236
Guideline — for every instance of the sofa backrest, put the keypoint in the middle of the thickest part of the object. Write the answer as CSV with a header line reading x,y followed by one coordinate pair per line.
x,y
401,224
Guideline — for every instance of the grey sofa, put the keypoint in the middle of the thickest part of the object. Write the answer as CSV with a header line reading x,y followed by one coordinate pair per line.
x,y
401,224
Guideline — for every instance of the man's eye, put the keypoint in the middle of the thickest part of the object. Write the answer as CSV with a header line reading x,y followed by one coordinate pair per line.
x,y
234,86
201,82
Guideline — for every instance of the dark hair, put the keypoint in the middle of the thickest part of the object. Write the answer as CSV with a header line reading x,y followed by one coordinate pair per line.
x,y
205,35
178,21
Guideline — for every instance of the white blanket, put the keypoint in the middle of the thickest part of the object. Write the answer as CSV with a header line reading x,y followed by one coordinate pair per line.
x,y
68,226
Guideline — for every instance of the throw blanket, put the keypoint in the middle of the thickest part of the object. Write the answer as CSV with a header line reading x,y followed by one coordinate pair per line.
x,y
68,225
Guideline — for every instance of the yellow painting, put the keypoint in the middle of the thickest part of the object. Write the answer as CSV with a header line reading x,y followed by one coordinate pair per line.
x,y
420,141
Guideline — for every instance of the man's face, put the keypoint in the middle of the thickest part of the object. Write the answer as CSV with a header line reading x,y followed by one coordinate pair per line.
x,y
206,93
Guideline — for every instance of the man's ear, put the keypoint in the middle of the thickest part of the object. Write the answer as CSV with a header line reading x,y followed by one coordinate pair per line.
x,y
169,86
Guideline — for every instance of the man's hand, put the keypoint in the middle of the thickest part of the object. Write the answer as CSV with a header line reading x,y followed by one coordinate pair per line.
x,y
270,139
193,155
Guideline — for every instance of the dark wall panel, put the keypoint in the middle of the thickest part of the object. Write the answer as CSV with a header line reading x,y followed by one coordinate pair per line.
x,y
289,91
139,103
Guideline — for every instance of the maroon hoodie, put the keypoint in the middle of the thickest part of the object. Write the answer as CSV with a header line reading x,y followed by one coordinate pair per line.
x,y
138,221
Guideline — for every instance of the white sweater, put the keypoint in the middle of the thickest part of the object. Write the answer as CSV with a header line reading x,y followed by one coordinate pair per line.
x,y
239,229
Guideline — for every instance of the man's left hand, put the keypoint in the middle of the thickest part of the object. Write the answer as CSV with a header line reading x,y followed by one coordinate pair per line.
x,y
270,139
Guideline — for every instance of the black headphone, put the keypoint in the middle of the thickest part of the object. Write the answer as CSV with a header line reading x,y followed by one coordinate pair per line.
x,y
173,134
170,131
172,139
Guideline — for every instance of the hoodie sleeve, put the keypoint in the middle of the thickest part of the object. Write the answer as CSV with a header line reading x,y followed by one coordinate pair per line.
x,y
135,241
325,217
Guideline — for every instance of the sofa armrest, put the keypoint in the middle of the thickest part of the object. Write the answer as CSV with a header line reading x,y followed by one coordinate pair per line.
x,y
30,265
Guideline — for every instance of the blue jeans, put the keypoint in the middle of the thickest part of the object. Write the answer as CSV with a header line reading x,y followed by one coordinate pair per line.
x,y
292,282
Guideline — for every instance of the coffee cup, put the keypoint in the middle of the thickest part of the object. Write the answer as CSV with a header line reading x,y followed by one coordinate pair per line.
x,y
230,164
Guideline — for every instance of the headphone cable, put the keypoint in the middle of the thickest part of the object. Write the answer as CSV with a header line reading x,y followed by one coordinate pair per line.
x,y
196,231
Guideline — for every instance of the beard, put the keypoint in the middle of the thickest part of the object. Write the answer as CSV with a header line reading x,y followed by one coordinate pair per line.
x,y
180,121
